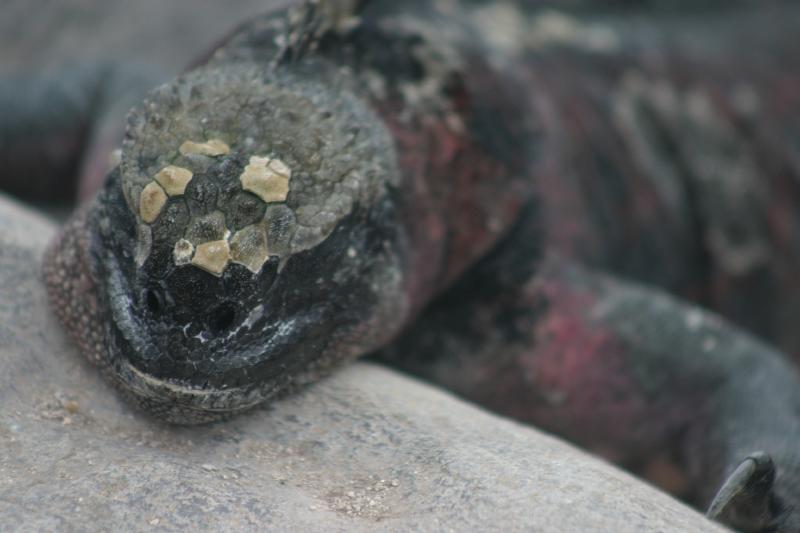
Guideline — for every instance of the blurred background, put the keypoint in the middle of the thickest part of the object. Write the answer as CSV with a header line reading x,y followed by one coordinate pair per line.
x,y
35,33
50,39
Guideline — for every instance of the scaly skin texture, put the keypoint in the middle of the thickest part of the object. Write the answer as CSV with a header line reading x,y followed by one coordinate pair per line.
x,y
357,172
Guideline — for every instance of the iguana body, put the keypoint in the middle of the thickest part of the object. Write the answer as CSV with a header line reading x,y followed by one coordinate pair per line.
x,y
491,195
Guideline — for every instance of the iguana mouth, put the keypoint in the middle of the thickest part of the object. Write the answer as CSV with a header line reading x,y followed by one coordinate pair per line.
x,y
122,347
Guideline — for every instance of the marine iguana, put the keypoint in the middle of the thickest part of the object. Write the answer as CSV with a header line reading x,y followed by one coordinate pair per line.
x,y
495,196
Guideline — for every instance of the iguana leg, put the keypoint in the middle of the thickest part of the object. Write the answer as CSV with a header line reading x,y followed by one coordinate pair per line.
x,y
60,126
618,368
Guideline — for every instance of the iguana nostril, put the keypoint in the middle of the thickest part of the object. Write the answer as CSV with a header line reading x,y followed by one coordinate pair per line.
x,y
153,301
221,319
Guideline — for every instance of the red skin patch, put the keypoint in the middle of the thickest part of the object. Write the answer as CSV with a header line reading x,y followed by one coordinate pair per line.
x,y
578,369
574,377
458,199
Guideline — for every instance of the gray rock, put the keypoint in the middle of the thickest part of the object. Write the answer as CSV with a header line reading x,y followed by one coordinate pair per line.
x,y
366,449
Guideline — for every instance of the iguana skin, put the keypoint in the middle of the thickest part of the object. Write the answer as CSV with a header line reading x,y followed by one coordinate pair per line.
x,y
512,208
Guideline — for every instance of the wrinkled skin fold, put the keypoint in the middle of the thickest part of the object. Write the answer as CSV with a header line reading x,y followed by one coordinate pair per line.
x,y
527,206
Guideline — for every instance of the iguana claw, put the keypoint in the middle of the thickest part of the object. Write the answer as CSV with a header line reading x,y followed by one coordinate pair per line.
x,y
746,500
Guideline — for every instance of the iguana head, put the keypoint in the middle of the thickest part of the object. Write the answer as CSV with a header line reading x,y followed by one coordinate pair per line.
x,y
246,241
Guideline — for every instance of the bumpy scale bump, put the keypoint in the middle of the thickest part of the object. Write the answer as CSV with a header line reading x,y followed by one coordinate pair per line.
x,y
267,178
174,179
183,252
151,202
210,227
212,148
249,248
212,257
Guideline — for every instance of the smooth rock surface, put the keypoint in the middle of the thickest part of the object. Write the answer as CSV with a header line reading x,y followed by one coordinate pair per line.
x,y
367,449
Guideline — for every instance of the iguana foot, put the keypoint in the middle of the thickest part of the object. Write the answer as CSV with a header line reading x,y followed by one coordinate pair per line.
x,y
746,500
